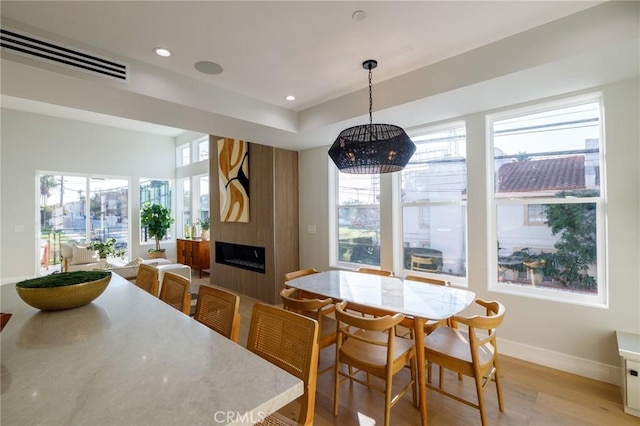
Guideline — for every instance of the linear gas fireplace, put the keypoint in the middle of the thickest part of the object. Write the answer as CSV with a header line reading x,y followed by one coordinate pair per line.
x,y
240,256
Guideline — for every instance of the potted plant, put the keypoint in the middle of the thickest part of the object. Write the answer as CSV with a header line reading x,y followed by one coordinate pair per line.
x,y
157,219
106,248
206,225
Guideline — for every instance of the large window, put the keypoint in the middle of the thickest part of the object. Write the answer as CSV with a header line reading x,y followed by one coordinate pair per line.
x,y
548,215
433,197
358,219
154,191
80,209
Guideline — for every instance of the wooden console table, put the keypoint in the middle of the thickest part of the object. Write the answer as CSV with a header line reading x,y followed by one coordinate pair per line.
x,y
195,253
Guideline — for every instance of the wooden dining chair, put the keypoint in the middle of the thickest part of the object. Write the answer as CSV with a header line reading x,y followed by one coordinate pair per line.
x,y
365,310
319,310
301,273
420,263
289,341
359,346
427,280
472,352
147,279
430,325
175,292
297,274
373,271
218,310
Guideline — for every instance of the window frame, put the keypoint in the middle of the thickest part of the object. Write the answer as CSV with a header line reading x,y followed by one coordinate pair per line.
x,y
601,298
460,281
88,225
181,222
180,157
335,206
527,215
171,233
334,225
199,151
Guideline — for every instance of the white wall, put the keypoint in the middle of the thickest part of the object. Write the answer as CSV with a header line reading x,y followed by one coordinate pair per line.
x,y
313,180
569,337
32,143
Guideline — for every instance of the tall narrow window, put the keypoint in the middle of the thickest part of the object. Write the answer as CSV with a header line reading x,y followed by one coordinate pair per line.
x,y
155,191
548,203
358,217
433,195
183,155
203,149
109,210
203,205
186,201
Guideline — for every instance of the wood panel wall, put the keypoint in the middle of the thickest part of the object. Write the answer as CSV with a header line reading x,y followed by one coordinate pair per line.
x,y
273,221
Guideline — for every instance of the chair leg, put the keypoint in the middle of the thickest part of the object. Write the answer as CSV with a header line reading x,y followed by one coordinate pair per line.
x,y
478,380
498,380
336,386
414,386
414,378
387,398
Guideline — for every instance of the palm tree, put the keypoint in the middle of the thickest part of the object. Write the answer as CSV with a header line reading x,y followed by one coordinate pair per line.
x,y
47,183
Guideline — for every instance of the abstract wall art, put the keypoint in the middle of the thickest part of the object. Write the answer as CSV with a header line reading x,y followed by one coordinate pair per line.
x,y
233,172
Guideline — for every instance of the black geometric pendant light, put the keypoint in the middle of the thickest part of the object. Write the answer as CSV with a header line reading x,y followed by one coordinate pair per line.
x,y
372,148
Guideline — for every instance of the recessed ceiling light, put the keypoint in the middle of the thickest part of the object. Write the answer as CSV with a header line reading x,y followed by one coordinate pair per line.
x,y
161,51
208,67
290,98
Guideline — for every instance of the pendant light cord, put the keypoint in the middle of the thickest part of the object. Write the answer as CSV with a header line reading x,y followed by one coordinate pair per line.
x,y
370,101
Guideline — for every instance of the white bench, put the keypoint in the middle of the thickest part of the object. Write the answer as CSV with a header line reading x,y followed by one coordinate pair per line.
x,y
629,351
176,268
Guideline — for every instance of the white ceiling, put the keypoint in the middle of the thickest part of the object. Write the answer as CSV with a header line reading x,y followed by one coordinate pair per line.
x,y
311,49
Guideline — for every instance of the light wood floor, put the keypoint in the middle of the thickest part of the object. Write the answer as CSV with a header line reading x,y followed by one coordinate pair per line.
x,y
533,395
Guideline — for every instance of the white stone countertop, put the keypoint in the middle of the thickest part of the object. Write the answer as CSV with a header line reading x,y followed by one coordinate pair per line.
x,y
129,359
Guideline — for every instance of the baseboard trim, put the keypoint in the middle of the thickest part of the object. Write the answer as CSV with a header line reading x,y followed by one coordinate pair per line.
x,y
559,361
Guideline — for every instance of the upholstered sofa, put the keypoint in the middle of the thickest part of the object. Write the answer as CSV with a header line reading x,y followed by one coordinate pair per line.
x,y
78,258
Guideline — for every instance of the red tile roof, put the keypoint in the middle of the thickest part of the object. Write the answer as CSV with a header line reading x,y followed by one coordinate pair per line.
x,y
554,174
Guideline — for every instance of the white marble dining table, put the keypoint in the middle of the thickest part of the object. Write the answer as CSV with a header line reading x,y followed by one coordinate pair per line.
x,y
130,359
414,299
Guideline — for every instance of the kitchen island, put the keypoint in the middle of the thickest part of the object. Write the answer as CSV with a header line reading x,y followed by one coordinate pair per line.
x,y
128,358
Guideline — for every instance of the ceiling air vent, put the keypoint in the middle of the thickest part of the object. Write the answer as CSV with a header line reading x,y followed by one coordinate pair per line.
x,y
44,50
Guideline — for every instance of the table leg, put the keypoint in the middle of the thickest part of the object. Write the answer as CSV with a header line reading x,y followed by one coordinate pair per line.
x,y
418,333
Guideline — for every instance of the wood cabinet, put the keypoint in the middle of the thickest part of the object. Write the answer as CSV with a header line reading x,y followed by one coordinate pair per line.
x,y
195,253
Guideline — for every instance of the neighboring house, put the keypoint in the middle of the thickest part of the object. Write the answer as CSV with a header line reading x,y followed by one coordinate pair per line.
x,y
545,177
